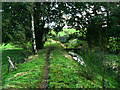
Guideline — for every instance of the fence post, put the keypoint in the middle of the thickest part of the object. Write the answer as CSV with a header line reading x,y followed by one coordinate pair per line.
x,y
8,67
10,62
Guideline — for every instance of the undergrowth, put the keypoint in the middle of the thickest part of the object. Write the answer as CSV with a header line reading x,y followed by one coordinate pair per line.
x,y
67,73
28,75
64,72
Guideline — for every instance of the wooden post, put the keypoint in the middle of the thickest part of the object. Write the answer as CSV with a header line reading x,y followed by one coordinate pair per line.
x,y
10,62
14,61
8,67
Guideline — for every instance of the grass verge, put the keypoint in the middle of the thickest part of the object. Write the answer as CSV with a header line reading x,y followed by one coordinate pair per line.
x,y
28,74
67,73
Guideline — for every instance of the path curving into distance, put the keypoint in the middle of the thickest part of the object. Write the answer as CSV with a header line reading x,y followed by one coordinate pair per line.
x,y
46,71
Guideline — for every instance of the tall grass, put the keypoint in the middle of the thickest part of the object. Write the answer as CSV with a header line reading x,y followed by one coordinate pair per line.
x,y
94,65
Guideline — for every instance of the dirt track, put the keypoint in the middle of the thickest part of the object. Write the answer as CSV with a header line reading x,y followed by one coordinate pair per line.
x,y
44,84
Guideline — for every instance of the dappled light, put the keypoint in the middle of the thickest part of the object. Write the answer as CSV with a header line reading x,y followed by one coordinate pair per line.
x,y
60,45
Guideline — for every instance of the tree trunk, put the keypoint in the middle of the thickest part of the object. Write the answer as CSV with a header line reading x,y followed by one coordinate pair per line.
x,y
33,34
88,38
39,32
101,44
39,26
100,39
39,37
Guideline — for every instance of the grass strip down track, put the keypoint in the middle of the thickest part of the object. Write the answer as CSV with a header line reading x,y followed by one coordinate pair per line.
x,y
67,73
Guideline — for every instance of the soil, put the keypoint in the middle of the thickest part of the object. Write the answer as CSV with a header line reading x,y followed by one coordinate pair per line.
x,y
44,84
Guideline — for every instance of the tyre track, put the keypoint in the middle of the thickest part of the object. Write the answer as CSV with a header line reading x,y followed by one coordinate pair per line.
x,y
44,84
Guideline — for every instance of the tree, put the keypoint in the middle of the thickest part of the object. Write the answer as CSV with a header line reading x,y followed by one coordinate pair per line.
x,y
89,18
16,23
17,17
33,31
44,14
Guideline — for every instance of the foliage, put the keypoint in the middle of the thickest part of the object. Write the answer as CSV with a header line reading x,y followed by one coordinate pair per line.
x,y
64,71
67,32
95,22
67,73
9,46
112,62
12,52
28,74
113,45
16,22
99,21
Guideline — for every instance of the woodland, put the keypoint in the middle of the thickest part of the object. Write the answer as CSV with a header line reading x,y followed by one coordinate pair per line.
x,y
60,45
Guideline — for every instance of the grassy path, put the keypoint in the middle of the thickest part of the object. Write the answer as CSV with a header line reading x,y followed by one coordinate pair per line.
x,y
67,73
53,67
64,72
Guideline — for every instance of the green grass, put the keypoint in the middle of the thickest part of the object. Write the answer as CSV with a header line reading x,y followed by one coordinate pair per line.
x,y
67,73
65,32
12,52
64,72
75,43
9,46
28,75
94,62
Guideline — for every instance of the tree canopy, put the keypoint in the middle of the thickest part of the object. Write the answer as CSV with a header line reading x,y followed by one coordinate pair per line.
x,y
97,21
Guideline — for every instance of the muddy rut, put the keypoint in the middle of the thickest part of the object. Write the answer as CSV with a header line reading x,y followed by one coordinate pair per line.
x,y
44,84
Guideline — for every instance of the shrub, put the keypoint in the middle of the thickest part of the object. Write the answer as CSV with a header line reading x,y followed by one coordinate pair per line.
x,y
113,46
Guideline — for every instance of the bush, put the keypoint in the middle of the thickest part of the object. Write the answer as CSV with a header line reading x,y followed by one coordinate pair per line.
x,y
113,46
